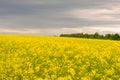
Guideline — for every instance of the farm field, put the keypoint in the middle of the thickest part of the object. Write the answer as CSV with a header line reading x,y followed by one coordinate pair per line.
x,y
25,57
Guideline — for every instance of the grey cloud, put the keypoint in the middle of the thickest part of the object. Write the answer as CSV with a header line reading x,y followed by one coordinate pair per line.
x,y
24,7
24,14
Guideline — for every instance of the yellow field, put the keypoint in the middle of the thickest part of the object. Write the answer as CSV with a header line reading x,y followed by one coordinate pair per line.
x,y
56,58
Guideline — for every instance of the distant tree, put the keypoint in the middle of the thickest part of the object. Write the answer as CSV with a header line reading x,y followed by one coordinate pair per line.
x,y
101,37
108,36
116,37
86,35
96,35
93,36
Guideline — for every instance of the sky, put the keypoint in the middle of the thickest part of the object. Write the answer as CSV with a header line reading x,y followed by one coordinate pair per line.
x,y
54,17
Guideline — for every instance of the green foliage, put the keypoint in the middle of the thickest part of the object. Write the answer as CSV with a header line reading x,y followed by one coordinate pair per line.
x,y
93,36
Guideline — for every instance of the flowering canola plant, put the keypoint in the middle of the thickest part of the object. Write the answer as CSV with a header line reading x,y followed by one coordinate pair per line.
x,y
26,57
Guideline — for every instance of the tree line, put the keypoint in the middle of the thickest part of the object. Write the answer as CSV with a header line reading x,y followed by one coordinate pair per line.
x,y
96,35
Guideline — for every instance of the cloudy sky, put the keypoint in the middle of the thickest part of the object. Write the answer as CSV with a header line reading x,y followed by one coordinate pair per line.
x,y
53,17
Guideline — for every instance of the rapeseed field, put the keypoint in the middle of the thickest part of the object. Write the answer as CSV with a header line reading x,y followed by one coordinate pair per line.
x,y
25,57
